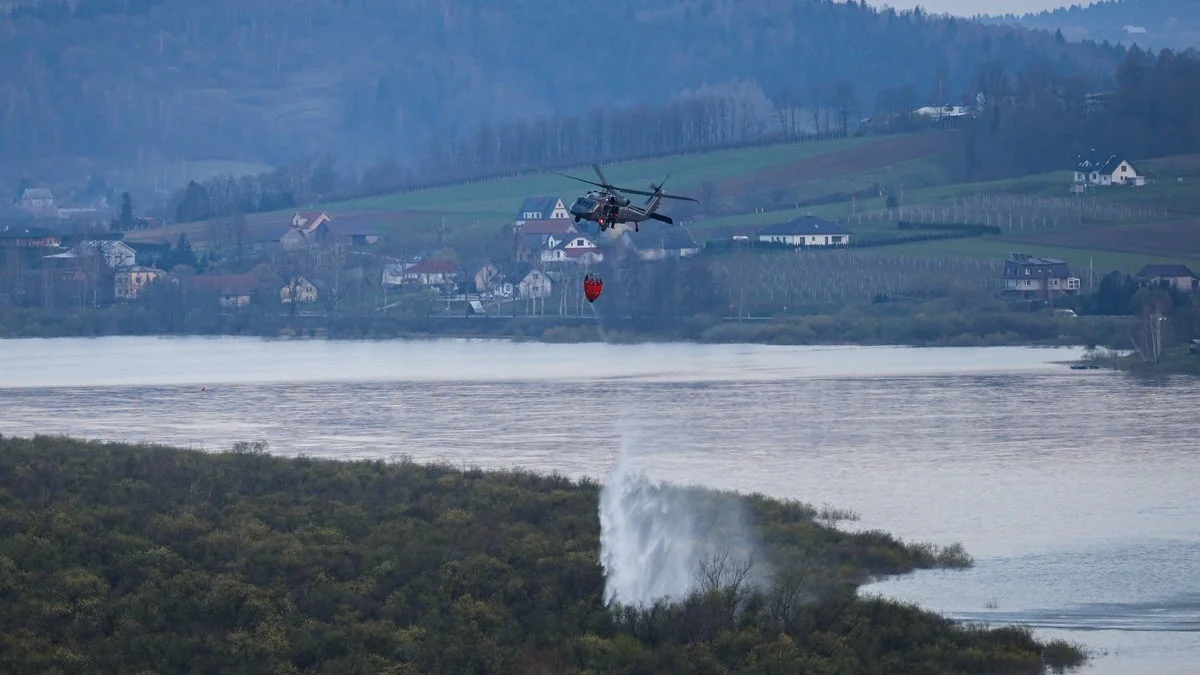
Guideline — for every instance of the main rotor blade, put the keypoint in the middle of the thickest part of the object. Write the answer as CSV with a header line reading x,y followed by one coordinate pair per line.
x,y
564,175
667,196
603,179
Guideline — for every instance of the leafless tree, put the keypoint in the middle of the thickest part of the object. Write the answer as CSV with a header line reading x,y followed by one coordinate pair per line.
x,y
1148,334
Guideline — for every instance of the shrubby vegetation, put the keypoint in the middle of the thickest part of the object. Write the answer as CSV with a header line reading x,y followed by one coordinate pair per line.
x,y
120,558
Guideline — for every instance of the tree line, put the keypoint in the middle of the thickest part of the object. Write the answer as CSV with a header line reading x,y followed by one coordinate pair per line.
x,y
1039,120
160,81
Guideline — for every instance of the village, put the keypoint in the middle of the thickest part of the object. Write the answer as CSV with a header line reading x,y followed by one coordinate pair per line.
x,y
316,260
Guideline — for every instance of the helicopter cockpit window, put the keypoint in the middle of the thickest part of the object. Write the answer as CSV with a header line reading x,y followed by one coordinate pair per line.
x,y
585,203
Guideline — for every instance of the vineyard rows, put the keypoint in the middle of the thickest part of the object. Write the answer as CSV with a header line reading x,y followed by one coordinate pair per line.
x,y
842,276
1016,215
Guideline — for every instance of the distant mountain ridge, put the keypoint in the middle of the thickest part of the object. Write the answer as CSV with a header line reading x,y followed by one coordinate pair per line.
x,y
1151,24
133,82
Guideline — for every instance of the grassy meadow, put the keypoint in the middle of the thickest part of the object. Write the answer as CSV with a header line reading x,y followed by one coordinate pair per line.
x,y
744,189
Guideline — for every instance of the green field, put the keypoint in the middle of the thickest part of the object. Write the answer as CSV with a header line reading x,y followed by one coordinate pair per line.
x,y
502,197
1125,228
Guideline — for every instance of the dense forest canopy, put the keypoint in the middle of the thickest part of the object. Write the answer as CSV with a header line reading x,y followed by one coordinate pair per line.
x,y
125,559
134,82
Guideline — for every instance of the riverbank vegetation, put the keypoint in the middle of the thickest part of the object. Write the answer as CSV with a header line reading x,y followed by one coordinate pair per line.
x,y
123,558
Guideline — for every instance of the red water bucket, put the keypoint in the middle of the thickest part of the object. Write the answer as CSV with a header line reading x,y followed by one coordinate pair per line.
x,y
592,287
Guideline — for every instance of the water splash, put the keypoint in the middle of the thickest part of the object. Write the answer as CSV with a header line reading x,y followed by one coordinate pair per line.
x,y
655,536
647,538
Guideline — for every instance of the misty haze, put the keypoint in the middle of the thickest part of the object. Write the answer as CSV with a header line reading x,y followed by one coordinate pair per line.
x,y
773,336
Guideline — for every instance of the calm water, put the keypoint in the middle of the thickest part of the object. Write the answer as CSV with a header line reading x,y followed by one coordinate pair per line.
x,y
1076,491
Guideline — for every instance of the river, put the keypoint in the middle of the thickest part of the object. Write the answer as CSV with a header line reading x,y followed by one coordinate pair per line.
x,y
1076,491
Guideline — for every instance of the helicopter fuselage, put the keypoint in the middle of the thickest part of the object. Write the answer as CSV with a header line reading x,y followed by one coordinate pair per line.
x,y
605,210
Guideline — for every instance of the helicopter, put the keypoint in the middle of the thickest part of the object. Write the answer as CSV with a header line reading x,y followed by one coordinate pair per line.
x,y
607,206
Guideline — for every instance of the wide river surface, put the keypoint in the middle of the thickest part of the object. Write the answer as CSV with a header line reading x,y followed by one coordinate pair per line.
x,y
1078,492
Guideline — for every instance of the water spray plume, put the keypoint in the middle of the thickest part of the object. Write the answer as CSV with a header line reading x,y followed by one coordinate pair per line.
x,y
646,539
655,537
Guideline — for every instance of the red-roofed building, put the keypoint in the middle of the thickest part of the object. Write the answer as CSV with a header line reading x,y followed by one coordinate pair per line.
x,y
432,272
233,290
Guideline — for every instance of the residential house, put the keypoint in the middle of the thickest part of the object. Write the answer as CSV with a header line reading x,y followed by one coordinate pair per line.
x,y
1177,276
432,273
232,290
655,240
304,230
362,229
806,231
310,221
393,271
1029,276
487,277
37,199
1106,170
130,282
579,249
535,236
28,237
301,288
541,208
528,282
944,112
117,254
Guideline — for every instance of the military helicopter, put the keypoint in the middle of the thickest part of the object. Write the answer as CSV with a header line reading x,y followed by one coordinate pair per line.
x,y
607,206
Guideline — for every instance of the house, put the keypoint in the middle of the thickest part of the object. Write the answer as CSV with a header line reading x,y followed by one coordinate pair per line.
x,y
130,282
37,199
1030,276
295,238
535,236
232,290
117,254
541,208
393,272
432,272
1106,170
354,230
303,290
1177,276
28,237
308,222
942,112
487,276
578,249
530,283
655,240
806,231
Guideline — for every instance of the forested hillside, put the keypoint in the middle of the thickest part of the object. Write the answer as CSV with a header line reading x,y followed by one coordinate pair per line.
x,y
1173,24
125,82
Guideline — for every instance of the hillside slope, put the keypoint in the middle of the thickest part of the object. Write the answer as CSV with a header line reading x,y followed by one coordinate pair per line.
x,y
167,80
1150,24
